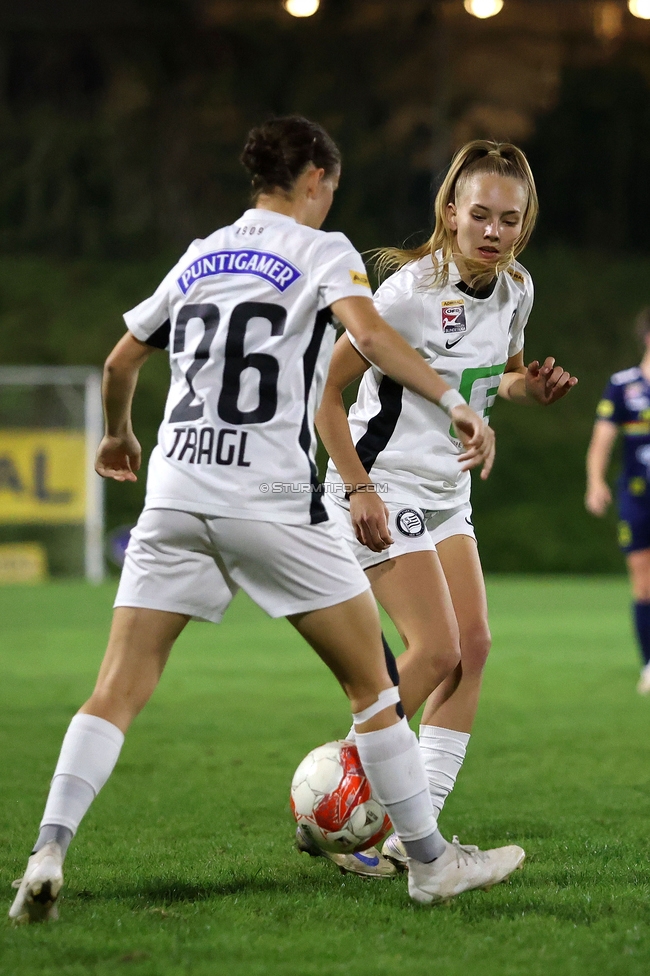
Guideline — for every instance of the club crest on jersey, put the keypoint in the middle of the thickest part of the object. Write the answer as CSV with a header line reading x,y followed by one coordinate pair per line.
x,y
453,316
410,522
263,264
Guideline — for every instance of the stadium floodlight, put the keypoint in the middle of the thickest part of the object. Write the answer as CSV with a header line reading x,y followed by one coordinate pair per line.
x,y
483,8
301,8
639,8
608,20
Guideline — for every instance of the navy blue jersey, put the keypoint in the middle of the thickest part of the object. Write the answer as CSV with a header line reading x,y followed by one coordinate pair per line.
x,y
626,403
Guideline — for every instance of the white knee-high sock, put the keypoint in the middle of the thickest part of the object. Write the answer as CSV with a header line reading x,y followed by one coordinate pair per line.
x,y
393,764
443,752
88,755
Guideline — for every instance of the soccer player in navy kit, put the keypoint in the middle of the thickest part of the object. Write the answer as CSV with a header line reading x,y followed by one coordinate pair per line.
x,y
625,405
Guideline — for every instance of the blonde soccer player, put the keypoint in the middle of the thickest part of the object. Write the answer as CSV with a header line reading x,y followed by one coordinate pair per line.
x,y
461,301
246,315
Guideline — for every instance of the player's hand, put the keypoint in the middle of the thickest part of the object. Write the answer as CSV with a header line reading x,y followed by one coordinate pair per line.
x,y
476,437
370,520
548,383
119,458
598,498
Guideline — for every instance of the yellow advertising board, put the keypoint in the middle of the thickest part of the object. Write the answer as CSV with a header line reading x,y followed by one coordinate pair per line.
x,y
42,476
23,562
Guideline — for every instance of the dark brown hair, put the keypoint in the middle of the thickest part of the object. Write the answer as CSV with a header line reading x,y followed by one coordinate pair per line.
x,y
278,151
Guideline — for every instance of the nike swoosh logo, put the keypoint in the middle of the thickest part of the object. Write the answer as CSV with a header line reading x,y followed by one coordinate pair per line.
x,y
469,521
372,862
450,345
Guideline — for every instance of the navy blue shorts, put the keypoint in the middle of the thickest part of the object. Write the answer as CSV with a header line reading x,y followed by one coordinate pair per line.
x,y
634,522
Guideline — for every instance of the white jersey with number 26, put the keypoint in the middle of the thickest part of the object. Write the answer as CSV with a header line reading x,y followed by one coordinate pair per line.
x,y
404,441
245,315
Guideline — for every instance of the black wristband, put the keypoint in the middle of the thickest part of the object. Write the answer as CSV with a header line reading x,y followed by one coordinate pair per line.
x,y
358,488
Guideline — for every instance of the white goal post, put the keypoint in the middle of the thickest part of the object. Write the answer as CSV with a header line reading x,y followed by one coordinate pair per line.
x,y
50,425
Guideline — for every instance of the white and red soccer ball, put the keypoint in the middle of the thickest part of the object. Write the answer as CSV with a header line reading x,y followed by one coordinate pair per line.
x,y
332,801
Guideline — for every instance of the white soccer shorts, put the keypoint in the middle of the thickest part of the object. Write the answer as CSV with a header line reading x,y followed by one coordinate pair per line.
x,y
413,529
194,564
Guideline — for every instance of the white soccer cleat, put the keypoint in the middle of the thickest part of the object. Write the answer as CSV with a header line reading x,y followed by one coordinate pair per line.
x,y
39,889
367,864
461,868
643,686
393,850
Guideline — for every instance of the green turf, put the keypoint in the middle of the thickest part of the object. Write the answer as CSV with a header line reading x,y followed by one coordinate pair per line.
x,y
185,863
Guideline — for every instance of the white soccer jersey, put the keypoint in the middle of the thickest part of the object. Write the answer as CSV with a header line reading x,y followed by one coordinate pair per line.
x,y
403,440
245,314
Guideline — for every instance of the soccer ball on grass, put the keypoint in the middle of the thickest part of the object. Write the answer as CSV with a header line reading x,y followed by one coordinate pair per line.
x,y
332,801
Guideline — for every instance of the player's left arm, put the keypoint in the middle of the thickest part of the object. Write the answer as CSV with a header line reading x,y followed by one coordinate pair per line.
x,y
535,383
119,454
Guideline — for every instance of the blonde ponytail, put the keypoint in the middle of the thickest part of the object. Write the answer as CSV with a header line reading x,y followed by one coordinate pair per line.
x,y
480,156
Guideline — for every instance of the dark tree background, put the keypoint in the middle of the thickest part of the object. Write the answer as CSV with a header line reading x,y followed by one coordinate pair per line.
x,y
591,157
124,140
120,128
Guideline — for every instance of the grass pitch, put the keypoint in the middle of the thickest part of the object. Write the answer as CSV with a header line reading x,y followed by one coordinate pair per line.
x,y
185,863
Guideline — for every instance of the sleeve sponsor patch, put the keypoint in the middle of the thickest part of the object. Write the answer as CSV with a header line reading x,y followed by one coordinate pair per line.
x,y
263,264
359,279
605,409
515,275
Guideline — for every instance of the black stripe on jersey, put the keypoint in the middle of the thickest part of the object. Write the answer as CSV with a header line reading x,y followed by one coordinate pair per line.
x,y
382,426
160,338
477,292
317,510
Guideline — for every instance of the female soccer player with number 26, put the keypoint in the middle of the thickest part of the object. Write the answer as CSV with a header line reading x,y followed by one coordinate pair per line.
x,y
247,317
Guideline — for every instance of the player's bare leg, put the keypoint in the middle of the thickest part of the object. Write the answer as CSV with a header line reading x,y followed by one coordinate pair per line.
x,y
342,636
348,638
454,703
433,611
138,648
638,565
413,590
450,709
418,596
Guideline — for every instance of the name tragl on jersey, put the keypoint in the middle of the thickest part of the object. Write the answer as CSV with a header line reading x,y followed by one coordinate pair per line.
x,y
250,339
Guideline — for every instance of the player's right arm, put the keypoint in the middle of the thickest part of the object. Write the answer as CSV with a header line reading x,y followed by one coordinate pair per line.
x,y
119,454
598,495
367,511
385,348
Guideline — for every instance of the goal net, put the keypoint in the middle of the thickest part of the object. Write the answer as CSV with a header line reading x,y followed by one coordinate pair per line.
x,y
51,499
